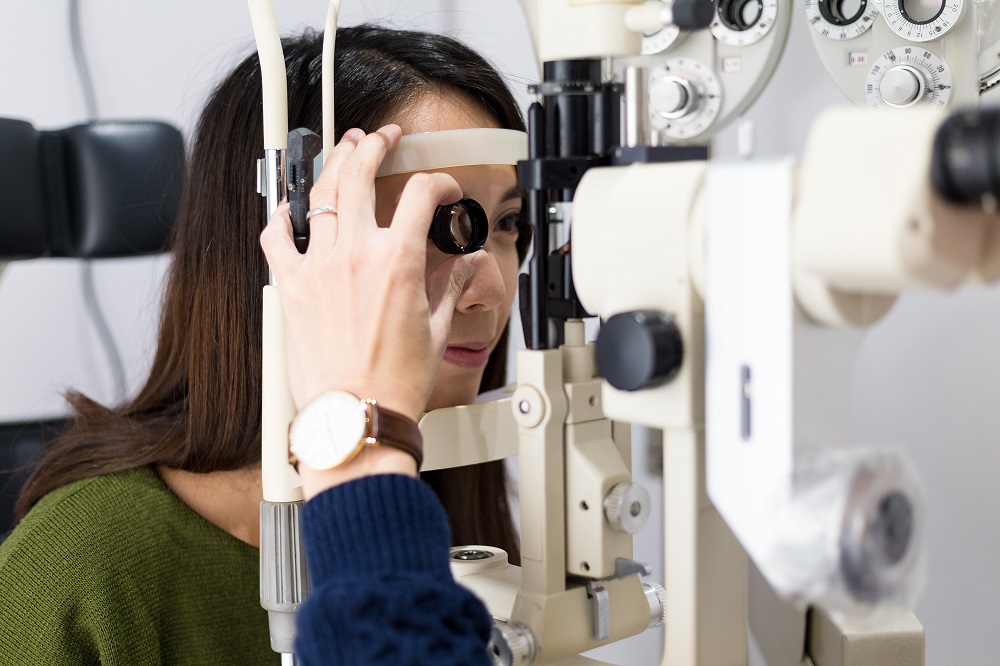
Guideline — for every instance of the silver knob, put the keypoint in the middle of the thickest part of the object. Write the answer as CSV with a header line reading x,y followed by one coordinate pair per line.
x,y
627,507
902,86
657,598
673,96
512,644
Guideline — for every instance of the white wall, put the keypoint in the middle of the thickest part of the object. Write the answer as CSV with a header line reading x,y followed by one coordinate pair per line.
x,y
927,377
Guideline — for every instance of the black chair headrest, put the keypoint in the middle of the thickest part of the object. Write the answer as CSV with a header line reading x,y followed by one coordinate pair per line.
x,y
22,446
101,189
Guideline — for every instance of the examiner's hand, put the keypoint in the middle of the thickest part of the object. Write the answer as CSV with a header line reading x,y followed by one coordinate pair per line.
x,y
358,314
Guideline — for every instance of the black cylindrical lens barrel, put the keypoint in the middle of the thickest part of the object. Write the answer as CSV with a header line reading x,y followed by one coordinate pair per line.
x,y
965,163
570,121
459,228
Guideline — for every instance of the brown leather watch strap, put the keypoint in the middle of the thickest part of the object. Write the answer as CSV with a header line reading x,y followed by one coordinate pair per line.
x,y
393,429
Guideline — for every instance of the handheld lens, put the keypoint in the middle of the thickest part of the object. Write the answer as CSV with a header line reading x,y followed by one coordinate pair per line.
x,y
459,228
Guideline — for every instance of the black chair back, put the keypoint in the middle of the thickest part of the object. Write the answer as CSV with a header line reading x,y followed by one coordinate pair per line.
x,y
97,190
21,447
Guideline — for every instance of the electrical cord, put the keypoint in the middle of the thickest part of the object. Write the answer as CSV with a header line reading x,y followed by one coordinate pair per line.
x,y
80,58
89,291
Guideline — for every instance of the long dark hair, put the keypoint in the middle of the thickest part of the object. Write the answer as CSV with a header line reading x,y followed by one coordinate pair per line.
x,y
200,407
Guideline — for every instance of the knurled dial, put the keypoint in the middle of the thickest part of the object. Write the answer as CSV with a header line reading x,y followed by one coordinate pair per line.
x,y
627,507
684,98
657,592
908,76
902,86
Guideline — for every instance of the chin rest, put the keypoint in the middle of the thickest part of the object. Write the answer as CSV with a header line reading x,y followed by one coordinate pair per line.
x,y
97,190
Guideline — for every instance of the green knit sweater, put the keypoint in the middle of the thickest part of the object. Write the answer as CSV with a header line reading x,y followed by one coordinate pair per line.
x,y
116,569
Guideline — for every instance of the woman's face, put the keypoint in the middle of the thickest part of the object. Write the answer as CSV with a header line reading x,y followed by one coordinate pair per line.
x,y
484,306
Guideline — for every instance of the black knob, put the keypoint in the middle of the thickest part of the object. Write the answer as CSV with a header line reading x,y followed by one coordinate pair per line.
x,y
871,556
637,350
693,14
965,164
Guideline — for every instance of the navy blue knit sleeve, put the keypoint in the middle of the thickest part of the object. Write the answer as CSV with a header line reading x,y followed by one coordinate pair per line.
x,y
382,589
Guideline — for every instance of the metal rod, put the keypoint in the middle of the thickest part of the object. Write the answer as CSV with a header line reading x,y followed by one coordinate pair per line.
x,y
635,106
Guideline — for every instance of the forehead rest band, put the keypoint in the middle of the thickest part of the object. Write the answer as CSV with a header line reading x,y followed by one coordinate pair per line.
x,y
455,148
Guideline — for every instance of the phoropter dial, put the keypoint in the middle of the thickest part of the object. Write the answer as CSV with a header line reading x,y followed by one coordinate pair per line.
x,y
684,98
841,19
661,40
743,22
908,76
922,20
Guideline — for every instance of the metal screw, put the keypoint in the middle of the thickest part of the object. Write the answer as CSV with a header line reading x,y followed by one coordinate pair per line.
x,y
524,407
471,555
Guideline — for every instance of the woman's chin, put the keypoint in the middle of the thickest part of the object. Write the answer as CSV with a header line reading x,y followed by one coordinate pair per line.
x,y
455,386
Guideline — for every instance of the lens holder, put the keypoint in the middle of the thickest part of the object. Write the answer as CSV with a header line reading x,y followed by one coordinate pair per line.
x,y
459,228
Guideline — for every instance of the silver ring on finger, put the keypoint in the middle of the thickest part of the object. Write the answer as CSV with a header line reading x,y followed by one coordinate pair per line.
x,y
321,210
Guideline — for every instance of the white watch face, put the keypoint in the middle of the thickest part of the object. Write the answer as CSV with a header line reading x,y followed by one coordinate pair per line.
x,y
328,430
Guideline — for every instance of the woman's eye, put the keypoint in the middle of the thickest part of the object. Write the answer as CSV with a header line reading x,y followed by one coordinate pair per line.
x,y
508,224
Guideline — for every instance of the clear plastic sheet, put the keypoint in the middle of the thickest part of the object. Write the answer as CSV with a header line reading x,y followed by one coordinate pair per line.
x,y
851,537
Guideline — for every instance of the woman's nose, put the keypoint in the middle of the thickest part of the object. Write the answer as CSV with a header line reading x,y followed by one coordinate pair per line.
x,y
485,290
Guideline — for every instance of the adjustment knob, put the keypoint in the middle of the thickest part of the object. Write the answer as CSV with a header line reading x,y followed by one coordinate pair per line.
x,y
657,598
902,86
637,350
627,507
673,96
512,644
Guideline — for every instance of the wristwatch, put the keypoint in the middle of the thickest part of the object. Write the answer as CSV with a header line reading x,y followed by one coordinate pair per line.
x,y
334,427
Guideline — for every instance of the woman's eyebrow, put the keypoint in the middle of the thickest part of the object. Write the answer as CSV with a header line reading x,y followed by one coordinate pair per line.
x,y
514,192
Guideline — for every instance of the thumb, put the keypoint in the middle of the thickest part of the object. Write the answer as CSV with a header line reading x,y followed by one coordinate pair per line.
x,y
444,287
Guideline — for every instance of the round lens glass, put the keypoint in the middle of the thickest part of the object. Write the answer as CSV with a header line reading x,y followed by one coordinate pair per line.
x,y
461,225
740,15
922,11
845,12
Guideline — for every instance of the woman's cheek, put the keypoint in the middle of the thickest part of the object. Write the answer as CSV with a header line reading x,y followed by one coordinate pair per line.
x,y
510,268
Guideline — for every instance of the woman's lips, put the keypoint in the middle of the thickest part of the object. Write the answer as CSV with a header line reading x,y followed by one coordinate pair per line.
x,y
467,357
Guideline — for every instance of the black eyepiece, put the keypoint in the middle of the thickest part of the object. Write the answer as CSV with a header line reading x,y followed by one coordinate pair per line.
x,y
459,228
965,166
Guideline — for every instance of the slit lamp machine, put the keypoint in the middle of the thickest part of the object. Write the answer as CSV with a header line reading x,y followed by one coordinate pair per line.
x,y
732,297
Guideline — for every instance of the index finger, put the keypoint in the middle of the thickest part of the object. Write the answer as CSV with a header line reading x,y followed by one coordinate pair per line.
x,y
421,196
357,179
324,190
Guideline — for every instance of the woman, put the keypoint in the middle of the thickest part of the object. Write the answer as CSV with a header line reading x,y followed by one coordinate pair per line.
x,y
138,533
376,539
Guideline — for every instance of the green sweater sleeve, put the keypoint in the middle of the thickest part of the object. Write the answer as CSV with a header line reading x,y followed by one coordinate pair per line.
x,y
117,570
44,617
